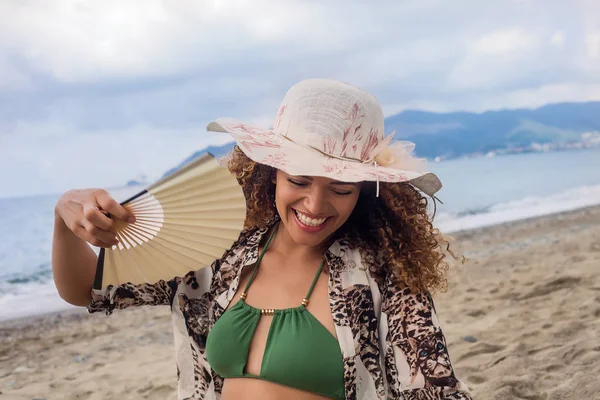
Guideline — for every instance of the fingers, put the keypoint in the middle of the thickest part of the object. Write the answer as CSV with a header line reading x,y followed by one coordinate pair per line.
x,y
93,215
105,236
97,228
95,236
84,212
110,205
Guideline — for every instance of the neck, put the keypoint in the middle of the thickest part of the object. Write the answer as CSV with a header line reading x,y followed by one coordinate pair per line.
x,y
284,244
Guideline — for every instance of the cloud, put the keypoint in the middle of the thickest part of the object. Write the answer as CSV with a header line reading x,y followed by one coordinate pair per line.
x,y
114,39
593,45
53,157
503,42
557,39
76,77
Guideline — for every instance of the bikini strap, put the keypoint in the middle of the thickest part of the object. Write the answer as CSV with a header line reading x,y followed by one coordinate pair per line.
x,y
260,257
312,286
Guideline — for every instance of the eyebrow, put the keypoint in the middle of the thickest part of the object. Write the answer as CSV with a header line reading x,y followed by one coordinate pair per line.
x,y
337,183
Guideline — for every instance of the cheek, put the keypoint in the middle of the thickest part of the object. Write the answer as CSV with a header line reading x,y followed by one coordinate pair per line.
x,y
283,196
345,213
345,208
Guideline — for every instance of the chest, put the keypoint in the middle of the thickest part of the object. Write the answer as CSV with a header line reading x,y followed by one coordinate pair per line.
x,y
282,288
277,287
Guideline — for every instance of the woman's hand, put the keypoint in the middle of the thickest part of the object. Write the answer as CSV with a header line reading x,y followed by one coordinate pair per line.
x,y
83,211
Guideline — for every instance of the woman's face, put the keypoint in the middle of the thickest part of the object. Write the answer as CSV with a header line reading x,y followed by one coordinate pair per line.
x,y
313,208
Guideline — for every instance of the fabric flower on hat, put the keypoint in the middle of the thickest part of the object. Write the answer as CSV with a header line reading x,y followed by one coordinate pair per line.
x,y
398,155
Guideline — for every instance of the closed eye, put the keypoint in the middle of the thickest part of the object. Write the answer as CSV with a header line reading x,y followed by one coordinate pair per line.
x,y
296,183
340,193
304,184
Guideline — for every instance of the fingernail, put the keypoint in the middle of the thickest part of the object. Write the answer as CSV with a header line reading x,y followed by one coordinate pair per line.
x,y
131,219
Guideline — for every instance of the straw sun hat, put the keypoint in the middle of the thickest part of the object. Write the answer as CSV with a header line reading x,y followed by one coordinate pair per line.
x,y
331,129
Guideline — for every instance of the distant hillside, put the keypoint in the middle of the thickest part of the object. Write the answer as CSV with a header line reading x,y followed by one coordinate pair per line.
x,y
216,151
456,134
460,133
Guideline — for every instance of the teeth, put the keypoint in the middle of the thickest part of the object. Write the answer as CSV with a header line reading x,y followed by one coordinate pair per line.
x,y
309,221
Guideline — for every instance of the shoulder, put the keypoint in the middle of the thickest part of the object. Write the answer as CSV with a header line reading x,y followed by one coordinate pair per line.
x,y
344,257
351,279
244,245
348,260
244,251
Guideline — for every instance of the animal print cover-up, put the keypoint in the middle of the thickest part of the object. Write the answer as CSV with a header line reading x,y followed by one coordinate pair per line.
x,y
391,341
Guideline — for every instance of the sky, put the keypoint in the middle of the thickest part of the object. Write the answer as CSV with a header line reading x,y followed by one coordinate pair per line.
x,y
95,93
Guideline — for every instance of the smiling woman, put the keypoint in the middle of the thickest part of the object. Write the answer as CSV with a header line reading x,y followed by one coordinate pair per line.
x,y
326,293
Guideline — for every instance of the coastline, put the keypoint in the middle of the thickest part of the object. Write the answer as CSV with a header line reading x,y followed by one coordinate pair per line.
x,y
520,318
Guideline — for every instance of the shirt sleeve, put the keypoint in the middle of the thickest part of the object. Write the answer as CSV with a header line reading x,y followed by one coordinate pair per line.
x,y
418,362
131,295
193,285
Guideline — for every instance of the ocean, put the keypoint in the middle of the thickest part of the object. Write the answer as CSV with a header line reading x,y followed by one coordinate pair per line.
x,y
477,192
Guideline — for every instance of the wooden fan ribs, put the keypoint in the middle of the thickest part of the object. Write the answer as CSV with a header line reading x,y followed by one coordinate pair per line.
x,y
183,223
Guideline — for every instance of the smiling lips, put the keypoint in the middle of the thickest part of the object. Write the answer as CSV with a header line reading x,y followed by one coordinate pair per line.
x,y
308,223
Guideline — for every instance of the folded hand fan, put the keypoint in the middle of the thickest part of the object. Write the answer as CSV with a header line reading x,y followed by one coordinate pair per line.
x,y
183,223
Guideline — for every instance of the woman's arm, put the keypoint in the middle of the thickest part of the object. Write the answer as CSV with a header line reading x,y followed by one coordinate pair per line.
x,y
79,220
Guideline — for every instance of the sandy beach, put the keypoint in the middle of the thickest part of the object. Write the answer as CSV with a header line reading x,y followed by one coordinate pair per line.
x,y
522,320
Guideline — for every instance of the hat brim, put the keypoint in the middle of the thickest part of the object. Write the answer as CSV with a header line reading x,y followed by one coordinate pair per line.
x,y
267,147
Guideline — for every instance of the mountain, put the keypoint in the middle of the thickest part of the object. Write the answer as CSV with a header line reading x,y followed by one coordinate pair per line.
x,y
448,135
460,133
216,151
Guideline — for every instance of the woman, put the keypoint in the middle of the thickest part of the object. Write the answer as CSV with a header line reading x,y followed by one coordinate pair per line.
x,y
326,292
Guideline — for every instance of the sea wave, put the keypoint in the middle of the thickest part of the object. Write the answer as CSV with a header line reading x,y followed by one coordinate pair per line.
x,y
524,208
28,299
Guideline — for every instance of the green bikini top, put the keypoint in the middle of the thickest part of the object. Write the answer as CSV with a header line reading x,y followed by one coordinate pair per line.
x,y
300,352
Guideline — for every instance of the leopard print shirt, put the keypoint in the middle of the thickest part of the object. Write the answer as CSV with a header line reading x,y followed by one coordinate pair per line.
x,y
391,341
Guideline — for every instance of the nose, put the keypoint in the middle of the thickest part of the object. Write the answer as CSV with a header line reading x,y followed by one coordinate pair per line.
x,y
316,201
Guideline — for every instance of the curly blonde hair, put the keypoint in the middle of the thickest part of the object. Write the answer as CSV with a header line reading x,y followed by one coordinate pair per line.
x,y
393,232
